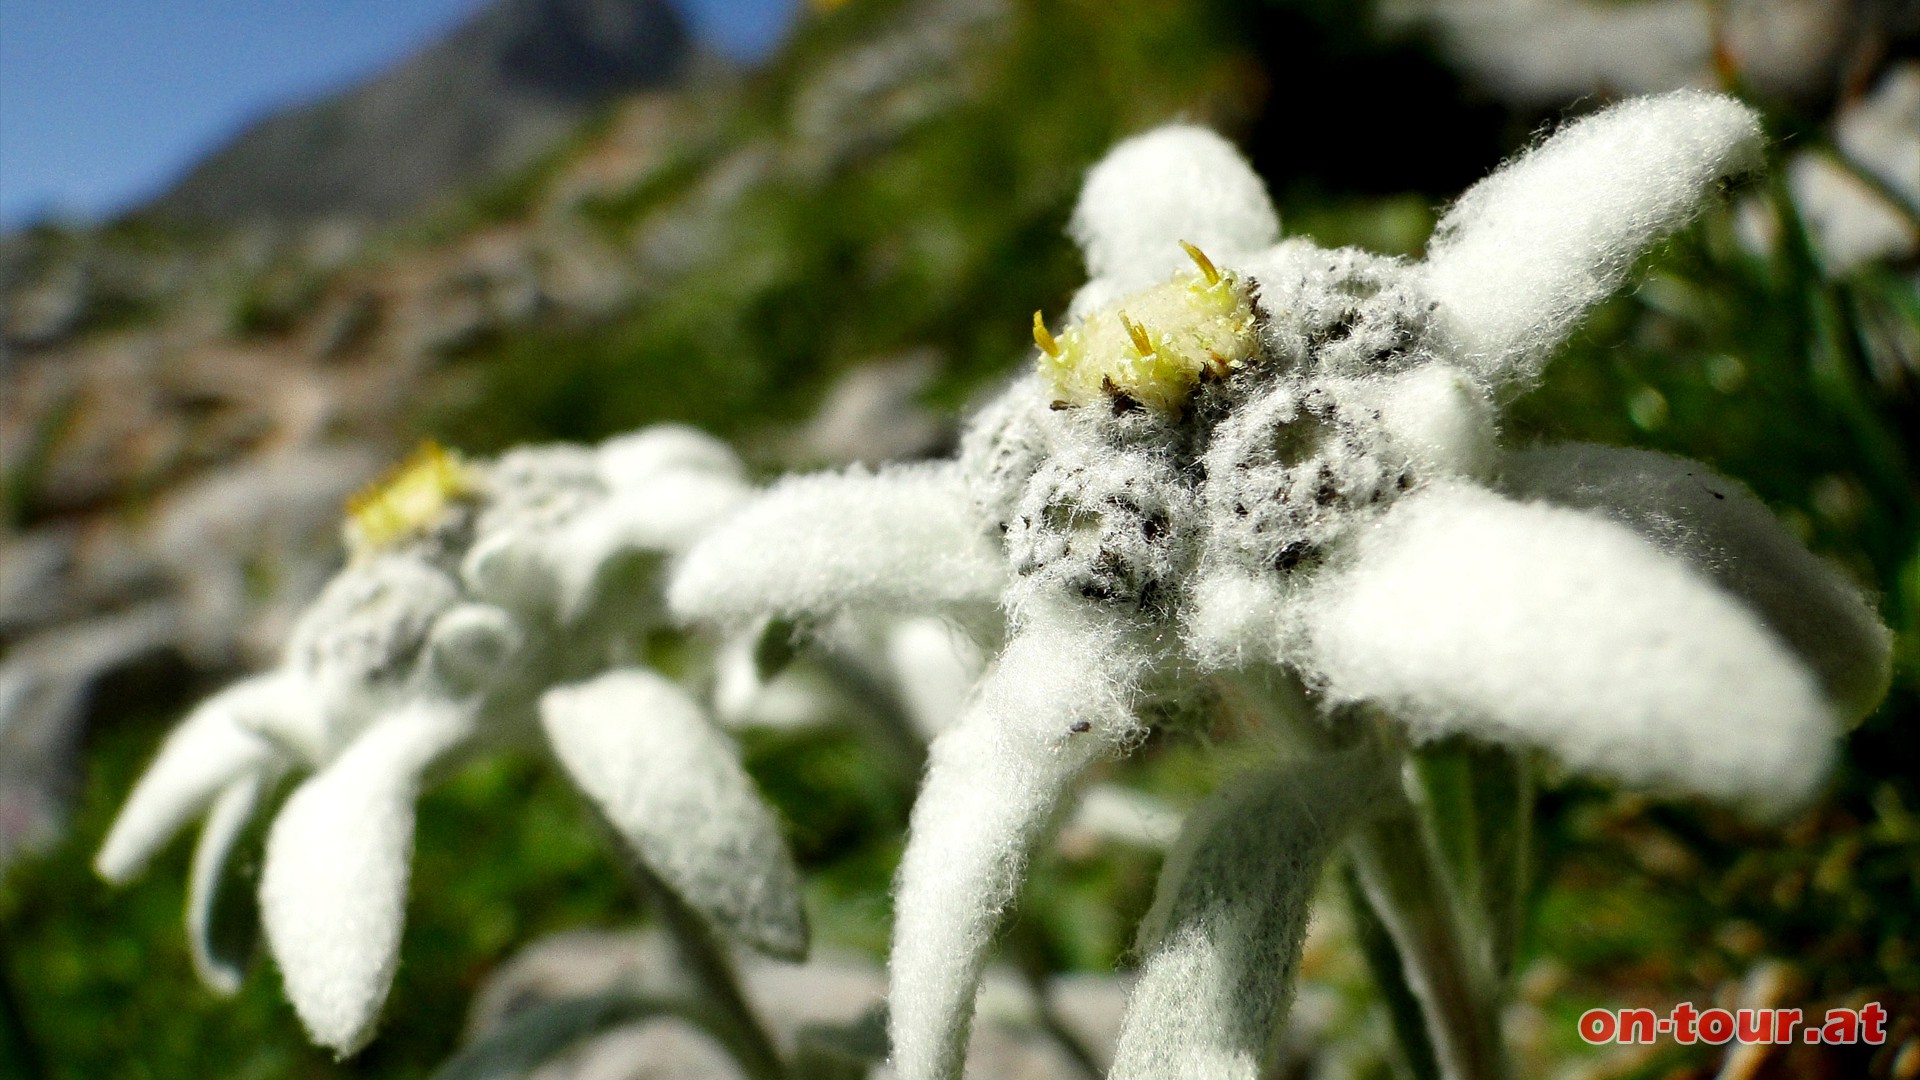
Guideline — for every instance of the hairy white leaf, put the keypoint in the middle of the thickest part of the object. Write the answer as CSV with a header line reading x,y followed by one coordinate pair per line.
x,y
211,747
1524,253
1155,190
902,539
629,462
333,890
674,788
1224,935
1543,626
1062,694
1713,522
216,878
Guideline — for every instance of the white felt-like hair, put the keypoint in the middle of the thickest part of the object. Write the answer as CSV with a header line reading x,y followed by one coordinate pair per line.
x,y
1224,935
1525,252
1713,521
634,461
672,785
1542,626
1438,423
334,887
1235,618
1061,695
662,517
213,746
1154,190
209,882
902,539
473,646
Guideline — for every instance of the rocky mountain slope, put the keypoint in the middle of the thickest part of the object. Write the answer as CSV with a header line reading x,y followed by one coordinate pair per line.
x,y
487,100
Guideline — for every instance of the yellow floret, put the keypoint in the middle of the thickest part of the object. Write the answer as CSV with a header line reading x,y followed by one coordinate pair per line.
x,y
1153,347
409,501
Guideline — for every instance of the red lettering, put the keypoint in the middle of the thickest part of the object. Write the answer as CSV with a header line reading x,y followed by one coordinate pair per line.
x,y
1716,1026
1683,1020
1637,1025
1842,1026
1598,1026
1873,1024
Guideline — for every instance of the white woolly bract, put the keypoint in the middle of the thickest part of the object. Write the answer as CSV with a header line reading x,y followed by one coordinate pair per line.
x,y
1712,521
1526,251
333,889
1154,190
1530,624
233,811
1235,618
1061,695
673,786
1230,916
211,747
636,460
1436,420
901,539
472,646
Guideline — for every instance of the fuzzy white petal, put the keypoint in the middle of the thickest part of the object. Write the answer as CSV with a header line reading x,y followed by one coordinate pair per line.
x,y
227,822
1230,916
1543,626
1154,190
993,782
902,539
1436,420
664,516
473,646
211,747
645,456
333,889
1235,618
1526,251
511,568
1712,521
673,787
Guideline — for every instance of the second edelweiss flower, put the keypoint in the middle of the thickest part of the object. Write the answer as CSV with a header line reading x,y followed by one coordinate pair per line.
x,y
1246,461
481,601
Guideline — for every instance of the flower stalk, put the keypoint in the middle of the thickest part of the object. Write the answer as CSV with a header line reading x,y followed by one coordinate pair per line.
x,y
1406,881
706,962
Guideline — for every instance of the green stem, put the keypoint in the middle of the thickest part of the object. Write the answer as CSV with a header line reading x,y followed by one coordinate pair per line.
x,y
882,714
1402,877
704,959
1836,374
1390,976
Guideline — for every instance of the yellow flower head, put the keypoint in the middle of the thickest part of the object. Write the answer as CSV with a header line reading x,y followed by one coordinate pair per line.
x,y
1153,347
409,501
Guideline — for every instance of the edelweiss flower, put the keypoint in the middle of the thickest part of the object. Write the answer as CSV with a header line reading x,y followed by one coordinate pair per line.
x,y
477,598
1247,460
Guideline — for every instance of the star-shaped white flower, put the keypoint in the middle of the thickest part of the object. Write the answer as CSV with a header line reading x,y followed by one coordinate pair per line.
x,y
1247,461
481,598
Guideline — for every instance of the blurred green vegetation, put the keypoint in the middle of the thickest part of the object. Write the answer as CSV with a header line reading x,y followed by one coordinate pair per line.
x,y
930,212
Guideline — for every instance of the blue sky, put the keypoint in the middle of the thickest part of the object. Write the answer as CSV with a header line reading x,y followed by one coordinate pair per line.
x,y
103,102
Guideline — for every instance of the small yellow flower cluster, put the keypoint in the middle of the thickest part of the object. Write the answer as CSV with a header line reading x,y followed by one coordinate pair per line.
x,y
407,502
1153,347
